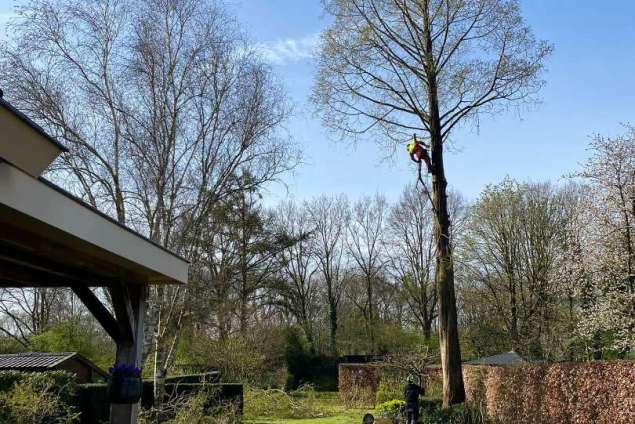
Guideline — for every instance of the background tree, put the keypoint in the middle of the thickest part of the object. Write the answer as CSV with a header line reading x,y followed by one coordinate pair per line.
x,y
516,238
366,247
297,286
329,219
162,104
412,256
404,66
610,244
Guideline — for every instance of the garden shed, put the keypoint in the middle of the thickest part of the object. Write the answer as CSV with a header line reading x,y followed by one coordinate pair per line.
x,y
85,371
50,238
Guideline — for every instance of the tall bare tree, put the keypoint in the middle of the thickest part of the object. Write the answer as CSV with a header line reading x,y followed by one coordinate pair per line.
x,y
297,285
329,218
366,246
412,255
162,105
404,66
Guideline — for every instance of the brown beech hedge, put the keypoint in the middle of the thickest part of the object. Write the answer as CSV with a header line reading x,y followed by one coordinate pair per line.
x,y
580,393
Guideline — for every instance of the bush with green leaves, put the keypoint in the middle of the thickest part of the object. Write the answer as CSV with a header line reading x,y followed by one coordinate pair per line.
x,y
389,387
457,414
37,398
76,335
391,410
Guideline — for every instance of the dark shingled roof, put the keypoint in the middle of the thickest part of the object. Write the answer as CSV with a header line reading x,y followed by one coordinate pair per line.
x,y
508,358
33,360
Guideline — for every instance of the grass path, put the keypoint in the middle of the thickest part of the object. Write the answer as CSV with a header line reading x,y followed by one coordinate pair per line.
x,y
335,413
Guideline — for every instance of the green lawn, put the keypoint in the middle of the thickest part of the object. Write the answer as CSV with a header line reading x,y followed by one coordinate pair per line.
x,y
347,417
334,413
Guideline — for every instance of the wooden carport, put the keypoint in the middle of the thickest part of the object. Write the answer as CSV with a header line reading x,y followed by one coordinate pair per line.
x,y
49,238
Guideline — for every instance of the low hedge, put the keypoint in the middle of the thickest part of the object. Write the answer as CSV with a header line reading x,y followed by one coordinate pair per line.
x,y
92,399
208,377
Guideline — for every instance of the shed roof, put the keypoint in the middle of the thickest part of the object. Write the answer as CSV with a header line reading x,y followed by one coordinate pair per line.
x,y
34,360
42,361
507,358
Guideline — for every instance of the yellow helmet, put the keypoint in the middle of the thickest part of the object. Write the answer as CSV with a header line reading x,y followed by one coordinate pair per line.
x,y
411,147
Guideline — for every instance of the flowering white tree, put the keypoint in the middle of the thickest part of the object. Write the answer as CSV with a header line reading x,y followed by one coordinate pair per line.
x,y
609,306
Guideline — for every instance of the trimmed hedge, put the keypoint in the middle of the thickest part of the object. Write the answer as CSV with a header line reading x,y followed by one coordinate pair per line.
x,y
208,377
92,399
357,384
582,393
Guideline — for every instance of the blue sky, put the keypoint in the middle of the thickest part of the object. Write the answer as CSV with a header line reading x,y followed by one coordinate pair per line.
x,y
590,89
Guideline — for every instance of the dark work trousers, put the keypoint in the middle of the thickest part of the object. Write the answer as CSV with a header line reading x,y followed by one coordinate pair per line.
x,y
412,415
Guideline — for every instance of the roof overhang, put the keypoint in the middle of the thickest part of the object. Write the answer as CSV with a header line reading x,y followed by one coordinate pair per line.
x,y
24,143
50,238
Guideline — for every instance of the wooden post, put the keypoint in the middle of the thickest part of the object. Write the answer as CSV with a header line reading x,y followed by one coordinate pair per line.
x,y
129,305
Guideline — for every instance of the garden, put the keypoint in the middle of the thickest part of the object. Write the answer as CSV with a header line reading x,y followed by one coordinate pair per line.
x,y
196,233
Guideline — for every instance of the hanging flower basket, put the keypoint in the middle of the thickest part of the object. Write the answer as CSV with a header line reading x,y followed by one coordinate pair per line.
x,y
125,385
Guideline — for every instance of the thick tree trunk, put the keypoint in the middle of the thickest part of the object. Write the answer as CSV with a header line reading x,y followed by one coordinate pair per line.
x,y
427,328
453,390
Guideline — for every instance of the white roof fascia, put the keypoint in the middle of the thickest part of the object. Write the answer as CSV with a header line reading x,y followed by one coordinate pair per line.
x,y
36,199
24,144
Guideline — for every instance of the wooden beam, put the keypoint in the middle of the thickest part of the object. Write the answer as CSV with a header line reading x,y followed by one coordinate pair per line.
x,y
99,311
122,304
16,275
135,296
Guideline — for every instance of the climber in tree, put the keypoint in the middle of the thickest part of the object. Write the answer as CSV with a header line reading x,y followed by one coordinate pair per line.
x,y
419,152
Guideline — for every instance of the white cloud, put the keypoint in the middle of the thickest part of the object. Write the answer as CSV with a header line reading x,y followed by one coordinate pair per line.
x,y
289,50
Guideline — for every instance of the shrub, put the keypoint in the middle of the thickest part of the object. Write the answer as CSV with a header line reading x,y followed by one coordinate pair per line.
x,y
64,382
391,410
194,408
430,405
389,388
458,414
37,398
307,367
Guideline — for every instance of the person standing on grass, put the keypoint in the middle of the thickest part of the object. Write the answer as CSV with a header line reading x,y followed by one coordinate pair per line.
x,y
412,392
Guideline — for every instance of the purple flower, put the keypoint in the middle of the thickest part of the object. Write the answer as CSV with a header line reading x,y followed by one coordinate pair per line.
x,y
124,370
